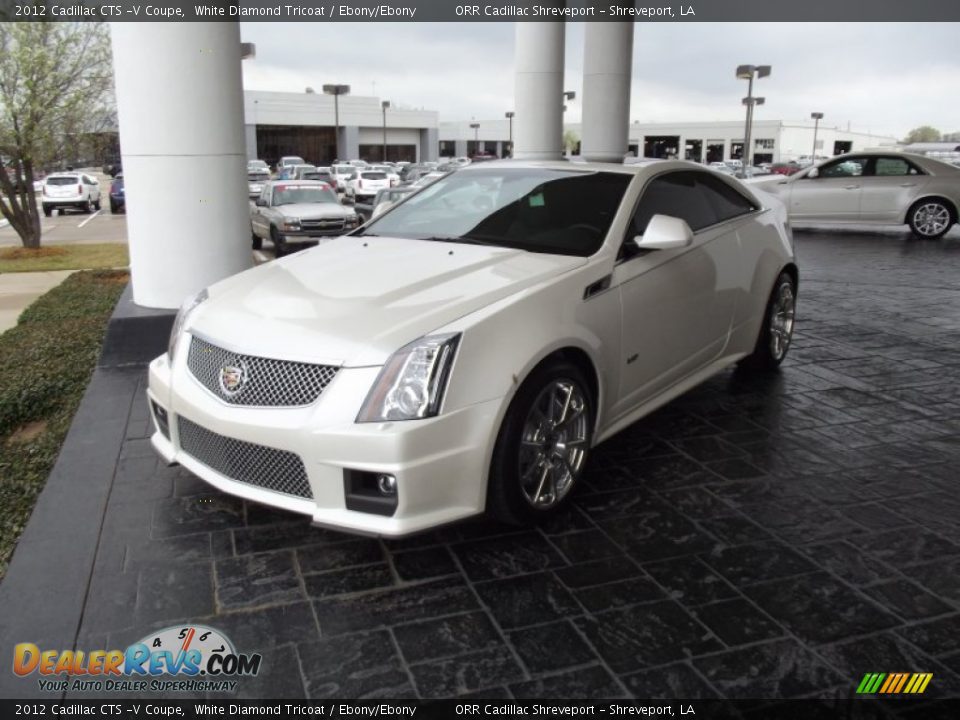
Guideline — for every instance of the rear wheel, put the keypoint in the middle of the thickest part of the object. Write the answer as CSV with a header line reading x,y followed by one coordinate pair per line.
x,y
47,210
542,446
257,240
96,204
113,207
279,244
930,219
777,330
87,207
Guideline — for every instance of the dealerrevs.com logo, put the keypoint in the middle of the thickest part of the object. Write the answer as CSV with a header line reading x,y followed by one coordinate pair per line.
x,y
194,658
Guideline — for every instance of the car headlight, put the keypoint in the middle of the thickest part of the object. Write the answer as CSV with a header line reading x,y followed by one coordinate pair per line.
x,y
291,224
351,221
413,381
189,305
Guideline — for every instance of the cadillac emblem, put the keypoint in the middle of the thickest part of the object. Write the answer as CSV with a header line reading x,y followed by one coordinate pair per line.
x,y
233,377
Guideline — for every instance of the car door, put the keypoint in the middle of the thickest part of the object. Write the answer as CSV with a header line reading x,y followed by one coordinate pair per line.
x,y
677,305
258,220
889,187
832,194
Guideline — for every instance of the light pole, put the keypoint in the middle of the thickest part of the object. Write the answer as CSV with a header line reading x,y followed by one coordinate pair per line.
x,y
384,105
749,72
476,137
817,117
336,91
509,116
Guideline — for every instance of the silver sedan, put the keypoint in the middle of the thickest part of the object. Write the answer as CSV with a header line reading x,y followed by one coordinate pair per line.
x,y
876,189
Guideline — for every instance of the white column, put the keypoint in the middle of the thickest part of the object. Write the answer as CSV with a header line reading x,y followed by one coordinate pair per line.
x,y
607,66
538,90
180,108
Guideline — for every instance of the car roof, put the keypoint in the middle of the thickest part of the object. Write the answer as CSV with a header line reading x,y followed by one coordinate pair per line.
x,y
69,173
297,183
636,166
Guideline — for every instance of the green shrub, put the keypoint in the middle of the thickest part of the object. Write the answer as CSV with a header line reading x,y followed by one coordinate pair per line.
x,y
45,364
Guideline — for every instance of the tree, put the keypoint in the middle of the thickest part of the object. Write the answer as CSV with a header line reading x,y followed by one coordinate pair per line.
x,y
951,137
55,88
924,133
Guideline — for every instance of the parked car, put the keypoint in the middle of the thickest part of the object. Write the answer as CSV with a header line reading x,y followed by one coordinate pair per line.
x,y
875,189
322,175
428,178
298,171
343,174
392,175
257,165
70,190
466,350
289,161
118,196
788,168
364,186
721,167
384,200
256,179
300,212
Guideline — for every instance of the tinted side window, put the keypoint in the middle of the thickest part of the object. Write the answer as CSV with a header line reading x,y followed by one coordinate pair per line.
x,y
893,166
726,201
675,194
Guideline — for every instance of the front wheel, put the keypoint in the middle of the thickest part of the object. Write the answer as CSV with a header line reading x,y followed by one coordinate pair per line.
x,y
777,330
543,444
279,245
257,240
930,219
47,211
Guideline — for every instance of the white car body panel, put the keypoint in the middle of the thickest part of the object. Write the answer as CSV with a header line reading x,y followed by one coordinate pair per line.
x,y
659,323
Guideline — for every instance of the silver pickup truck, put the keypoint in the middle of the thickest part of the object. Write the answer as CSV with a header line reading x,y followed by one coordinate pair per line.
x,y
298,211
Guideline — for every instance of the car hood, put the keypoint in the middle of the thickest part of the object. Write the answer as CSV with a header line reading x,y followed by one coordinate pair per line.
x,y
313,210
356,300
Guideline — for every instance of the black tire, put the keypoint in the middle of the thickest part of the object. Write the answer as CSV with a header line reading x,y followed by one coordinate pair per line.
x,y
96,205
931,218
279,244
256,240
507,498
87,207
768,354
47,211
113,207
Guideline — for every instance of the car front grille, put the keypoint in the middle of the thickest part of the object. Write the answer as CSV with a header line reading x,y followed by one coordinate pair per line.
x,y
330,224
277,470
254,381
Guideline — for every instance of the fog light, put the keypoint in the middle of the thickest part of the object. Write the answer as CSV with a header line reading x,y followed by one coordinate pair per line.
x,y
387,484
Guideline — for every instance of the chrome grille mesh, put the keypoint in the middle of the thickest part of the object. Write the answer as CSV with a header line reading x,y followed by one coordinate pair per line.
x,y
278,470
265,382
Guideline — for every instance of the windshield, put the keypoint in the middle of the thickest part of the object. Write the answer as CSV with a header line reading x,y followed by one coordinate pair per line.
x,y
257,176
291,194
292,160
257,165
539,210
63,180
373,175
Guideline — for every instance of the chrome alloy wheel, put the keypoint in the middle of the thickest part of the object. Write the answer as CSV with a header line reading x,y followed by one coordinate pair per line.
x,y
931,219
781,321
554,444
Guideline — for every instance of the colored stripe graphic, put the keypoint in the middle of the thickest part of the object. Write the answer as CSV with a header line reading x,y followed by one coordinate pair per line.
x,y
894,683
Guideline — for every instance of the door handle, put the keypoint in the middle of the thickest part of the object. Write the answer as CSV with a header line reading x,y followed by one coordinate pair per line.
x,y
850,187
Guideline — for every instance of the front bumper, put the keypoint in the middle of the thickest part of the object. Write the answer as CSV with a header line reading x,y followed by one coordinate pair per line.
x,y
440,464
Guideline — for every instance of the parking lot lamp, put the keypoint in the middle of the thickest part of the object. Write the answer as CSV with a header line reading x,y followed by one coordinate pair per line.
x,y
749,72
336,91
817,117
509,116
384,105
476,137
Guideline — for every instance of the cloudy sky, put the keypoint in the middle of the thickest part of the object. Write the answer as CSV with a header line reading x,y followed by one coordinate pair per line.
x,y
881,77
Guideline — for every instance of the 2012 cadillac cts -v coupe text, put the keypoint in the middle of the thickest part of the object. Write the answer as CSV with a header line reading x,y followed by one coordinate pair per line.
x,y
465,350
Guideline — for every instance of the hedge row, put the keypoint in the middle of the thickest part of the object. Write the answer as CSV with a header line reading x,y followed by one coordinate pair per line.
x,y
45,364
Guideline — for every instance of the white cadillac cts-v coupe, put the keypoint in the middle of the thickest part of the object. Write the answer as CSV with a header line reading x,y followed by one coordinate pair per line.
x,y
465,350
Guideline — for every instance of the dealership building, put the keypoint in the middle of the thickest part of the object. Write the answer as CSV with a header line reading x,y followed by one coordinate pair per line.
x,y
305,124
773,140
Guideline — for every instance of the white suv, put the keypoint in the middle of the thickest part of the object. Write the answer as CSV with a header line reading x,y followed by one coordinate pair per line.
x,y
74,189
366,185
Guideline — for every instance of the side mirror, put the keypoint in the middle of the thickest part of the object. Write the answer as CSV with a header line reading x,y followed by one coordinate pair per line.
x,y
665,233
812,173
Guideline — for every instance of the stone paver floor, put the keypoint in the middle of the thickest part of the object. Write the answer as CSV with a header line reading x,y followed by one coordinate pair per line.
x,y
756,538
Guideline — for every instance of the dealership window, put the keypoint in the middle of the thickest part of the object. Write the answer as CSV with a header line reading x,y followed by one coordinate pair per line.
x,y
763,144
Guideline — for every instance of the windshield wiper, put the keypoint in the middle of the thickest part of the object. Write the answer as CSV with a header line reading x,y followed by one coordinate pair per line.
x,y
465,239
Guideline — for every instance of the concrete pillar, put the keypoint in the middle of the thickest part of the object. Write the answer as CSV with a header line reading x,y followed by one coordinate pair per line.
x,y
538,90
459,148
499,149
180,110
607,67
251,141
429,145
349,142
